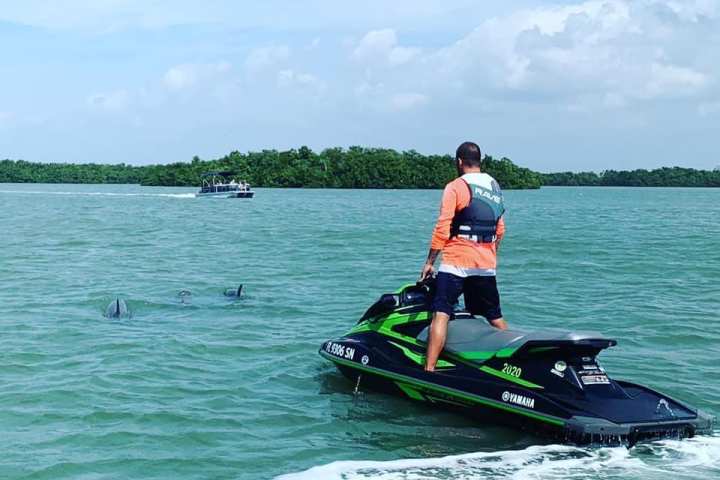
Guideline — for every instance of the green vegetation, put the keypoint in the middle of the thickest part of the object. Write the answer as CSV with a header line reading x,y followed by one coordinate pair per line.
x,y
355,167
661,177
26,172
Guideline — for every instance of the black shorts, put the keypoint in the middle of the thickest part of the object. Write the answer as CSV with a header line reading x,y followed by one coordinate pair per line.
x,y
481,295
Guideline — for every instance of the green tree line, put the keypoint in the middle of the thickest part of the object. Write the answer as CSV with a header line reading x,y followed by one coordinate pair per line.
x,y
355,167
660,177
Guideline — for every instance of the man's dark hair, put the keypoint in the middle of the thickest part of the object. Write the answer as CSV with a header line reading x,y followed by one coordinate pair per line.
x,y
469,153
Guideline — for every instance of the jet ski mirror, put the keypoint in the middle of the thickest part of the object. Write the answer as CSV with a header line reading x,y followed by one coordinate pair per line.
x,y
385,304
420,294
415,297
390,300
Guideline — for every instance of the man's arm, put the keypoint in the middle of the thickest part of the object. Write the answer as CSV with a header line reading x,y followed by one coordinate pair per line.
x,y
500,233
441,233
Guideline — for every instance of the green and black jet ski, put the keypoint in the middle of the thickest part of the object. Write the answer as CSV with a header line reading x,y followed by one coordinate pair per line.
x,y
546,381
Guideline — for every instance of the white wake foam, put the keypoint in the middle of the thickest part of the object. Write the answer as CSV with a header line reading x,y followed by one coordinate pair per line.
x,y
101,194
693,458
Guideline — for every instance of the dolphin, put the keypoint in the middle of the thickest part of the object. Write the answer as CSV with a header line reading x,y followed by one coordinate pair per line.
x,y
234,292
117,309
185,297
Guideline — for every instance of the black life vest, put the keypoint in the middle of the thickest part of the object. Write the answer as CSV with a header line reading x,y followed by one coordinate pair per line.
x,y
478,221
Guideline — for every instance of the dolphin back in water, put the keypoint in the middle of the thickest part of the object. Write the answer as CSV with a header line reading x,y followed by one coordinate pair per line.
x,y
234,292
117,309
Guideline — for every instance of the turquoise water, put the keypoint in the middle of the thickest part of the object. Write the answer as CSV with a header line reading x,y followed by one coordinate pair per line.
x,y
227,388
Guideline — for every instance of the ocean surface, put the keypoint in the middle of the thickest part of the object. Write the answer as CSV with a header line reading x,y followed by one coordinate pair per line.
x,y
203,386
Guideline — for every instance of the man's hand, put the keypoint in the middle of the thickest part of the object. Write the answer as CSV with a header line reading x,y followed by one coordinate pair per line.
x,y
427,271
428,268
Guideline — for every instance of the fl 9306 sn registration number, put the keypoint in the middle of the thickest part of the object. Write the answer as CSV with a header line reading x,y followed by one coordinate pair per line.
x,y
340,350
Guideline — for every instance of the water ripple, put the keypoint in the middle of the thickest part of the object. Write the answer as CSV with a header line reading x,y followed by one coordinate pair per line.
x,y
234,388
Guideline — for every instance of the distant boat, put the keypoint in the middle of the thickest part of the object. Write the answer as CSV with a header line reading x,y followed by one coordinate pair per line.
x,y
223,185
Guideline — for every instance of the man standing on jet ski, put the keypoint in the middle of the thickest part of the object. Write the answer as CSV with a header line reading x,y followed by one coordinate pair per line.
x,y
468,233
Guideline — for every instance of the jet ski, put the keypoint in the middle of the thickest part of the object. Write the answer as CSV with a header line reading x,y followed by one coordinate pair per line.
x,y
549,382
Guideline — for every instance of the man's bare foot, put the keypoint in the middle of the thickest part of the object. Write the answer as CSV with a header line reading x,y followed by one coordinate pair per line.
x,y
499,323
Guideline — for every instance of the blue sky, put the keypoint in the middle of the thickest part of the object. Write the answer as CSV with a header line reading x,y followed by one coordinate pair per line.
x,y
553,85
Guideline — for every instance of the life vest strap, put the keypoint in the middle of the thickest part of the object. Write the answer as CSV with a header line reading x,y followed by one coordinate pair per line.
x,y
478,238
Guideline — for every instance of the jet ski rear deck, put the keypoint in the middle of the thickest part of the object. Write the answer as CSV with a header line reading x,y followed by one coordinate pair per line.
x,y
549,382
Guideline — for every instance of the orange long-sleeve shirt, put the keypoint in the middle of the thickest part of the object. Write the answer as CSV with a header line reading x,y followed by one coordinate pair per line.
x,y
460,252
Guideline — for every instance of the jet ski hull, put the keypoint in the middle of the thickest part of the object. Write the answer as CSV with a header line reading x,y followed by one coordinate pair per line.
x,y
494,402
545,382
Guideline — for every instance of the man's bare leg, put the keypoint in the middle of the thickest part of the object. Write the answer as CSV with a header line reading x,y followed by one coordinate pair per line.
x,y
499,323
436,339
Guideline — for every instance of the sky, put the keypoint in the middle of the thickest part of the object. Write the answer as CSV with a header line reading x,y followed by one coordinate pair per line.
x,y
563,85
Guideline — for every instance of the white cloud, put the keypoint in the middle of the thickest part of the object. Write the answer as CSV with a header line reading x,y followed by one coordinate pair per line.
x,y
290,78
266,57
181,77
365,89
377,97
601,53
515,74
115,101
539,48
671,80
408,101
692,10
380,47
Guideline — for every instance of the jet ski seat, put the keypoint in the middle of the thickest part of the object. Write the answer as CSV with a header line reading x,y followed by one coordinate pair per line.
x,y
471,334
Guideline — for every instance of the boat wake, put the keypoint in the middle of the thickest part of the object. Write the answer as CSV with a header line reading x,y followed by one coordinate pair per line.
x,y
100,194
691,458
